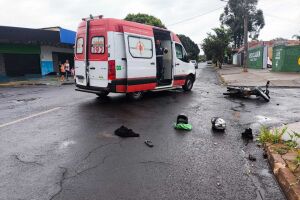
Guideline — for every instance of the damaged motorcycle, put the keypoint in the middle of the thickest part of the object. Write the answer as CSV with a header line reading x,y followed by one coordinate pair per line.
x,y
244,92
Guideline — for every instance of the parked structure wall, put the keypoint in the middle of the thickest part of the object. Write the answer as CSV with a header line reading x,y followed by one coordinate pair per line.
x,y
256,57
286,58
2,65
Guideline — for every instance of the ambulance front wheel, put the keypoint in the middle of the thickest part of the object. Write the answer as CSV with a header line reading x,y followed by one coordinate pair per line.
x,y
135,95
189,82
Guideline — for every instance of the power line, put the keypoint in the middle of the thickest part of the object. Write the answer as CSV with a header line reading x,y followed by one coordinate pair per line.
x,y
281,18
196,16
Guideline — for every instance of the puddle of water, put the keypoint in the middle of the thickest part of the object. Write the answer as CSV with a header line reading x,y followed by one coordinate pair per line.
x,y
265,172
260,193
262,119
236,115
66,144
106,135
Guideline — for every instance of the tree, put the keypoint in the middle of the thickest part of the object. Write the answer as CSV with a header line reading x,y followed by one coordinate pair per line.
x,y
216,45
297,37
145,19
190,46
233,17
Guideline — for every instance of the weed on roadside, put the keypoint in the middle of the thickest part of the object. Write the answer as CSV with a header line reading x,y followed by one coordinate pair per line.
x,y
274,137
297,160
282,150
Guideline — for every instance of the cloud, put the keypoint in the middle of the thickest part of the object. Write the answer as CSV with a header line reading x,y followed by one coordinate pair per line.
x,y
281,16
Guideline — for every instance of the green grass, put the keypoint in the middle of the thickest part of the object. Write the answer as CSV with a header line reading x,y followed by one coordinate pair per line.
x,y
274,137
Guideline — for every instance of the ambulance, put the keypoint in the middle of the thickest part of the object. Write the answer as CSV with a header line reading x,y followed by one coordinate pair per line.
x,y
118,56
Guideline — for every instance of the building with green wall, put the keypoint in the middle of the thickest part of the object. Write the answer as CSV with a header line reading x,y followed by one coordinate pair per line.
x,y
257,57
286,58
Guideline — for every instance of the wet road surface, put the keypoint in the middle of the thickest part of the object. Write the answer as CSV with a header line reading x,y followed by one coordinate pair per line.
x,y
59,144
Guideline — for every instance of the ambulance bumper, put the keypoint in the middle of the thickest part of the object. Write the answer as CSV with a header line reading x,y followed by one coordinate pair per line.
x,y
95,90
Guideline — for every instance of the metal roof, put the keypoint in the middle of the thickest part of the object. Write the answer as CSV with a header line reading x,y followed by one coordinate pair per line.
x,y
19,35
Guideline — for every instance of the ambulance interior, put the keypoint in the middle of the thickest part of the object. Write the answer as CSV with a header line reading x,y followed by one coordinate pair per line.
x,y
164,76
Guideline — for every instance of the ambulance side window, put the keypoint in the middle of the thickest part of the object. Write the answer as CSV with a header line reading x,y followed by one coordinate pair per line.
x,y
98,45
179,52
79,46
140,47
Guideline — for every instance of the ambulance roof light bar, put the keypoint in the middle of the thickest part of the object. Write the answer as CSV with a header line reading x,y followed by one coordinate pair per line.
x,y
92,17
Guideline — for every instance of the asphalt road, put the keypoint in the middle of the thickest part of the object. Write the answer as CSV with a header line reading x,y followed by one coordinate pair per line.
x,y
57,143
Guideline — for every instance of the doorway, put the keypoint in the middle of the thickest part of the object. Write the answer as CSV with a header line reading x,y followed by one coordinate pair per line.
x,y
164,57
22,64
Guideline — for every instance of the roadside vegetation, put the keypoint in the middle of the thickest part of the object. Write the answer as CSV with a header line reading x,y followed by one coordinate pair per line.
x,y
274,138
218,46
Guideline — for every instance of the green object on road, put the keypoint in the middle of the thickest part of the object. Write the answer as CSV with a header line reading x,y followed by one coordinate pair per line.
x,y
181,126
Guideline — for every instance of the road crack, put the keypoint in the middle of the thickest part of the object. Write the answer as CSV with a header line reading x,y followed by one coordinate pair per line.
x,y
17,157
99,147
64,176
156,162
60,183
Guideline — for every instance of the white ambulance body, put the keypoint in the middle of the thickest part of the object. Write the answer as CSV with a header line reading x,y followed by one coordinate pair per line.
x,y
118,56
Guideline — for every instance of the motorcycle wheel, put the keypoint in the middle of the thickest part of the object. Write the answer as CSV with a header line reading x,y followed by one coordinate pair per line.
x,y
263,95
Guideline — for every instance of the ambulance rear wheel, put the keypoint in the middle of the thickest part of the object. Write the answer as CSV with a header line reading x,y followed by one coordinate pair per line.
x,y
103,94
189,82
135,95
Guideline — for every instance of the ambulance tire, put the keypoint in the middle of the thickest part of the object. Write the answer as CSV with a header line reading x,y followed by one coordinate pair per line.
x,y
189,82
103,94
135,95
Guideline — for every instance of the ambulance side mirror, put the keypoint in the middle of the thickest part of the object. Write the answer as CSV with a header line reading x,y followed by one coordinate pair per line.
x,y
186,58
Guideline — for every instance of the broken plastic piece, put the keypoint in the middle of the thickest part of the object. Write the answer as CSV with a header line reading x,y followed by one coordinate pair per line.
x,y
125,132
247,134
265,155
251,158
149,143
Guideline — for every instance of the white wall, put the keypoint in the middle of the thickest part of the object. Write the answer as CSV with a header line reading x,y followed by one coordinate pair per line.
x,y
235,59
46,52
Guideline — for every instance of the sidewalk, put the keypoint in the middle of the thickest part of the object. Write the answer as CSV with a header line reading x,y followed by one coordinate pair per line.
x,y
234,76
49,80
284,161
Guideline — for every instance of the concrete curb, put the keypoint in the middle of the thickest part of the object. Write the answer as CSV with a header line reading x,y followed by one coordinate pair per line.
x,y
286,179
283,87
25,83
277,82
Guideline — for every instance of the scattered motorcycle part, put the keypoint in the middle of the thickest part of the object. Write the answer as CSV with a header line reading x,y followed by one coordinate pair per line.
x,y
251,158
218,123
149,143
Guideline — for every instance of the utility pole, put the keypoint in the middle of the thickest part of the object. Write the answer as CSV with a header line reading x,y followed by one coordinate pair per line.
x,y
245,64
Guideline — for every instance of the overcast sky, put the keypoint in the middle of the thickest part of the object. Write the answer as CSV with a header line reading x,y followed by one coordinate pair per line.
x,y
282,17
